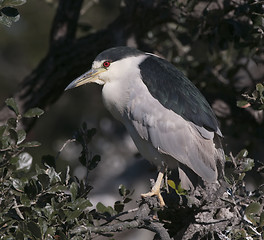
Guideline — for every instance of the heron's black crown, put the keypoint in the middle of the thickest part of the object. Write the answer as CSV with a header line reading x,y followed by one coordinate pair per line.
x,y
118,53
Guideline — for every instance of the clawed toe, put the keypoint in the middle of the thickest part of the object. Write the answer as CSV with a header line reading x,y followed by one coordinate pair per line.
x,y
154,193
156,190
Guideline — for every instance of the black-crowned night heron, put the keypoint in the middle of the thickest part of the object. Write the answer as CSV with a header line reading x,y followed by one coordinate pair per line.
x,y
169,120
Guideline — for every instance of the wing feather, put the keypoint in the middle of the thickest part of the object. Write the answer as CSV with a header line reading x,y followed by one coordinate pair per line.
x,y
169,119
176,92
171,135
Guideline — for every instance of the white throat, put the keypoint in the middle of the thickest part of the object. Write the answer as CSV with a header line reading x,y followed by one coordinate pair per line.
x,y
122,76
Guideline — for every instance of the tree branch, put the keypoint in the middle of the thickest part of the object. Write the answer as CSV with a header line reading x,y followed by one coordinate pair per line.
x,y
65,22
144,218
67,59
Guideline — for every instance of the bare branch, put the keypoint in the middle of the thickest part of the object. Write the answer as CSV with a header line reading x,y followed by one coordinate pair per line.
x,y
47,82
65,22
143,219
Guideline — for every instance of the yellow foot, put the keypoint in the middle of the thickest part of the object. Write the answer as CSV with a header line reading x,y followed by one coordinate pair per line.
x,y
156,193
156,190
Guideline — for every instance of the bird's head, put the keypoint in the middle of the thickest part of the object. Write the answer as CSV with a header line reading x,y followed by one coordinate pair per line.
x,y
109,66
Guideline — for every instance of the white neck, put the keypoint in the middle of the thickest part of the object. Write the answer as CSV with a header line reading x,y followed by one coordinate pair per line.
x,y
123,75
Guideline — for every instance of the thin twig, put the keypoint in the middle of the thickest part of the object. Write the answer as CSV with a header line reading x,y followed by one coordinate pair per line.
x,y
143,219
18,210
63,146
120,214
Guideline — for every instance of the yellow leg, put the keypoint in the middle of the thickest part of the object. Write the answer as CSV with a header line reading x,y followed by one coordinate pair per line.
x,y
156,190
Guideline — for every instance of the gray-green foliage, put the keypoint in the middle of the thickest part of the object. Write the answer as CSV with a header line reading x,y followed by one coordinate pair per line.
x,y
240,210
37,202
256,99
8,12
250,204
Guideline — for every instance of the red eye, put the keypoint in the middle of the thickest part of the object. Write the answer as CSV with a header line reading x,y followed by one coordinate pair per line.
x,y
106,64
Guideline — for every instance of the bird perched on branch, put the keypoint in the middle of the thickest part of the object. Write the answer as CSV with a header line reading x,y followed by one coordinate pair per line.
x,y
169,120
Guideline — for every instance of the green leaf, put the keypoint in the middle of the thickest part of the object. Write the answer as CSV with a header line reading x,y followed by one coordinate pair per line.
x,y
19,235
43,226
53,175
24,161
21,136
44,180
12,122
18,184
90,134
10,102
242,154
251,211
243,104
32,188
248,164
50,232
57,188
13,136
82,204
253,208
260,88
127,200
14,160
2,130
74,190
34,229
25,200
5,142
180,190
110,210
12,3
62,236
48,211
101,208
94,162
39,170
122,190
119,207
172,184
33,112
71,215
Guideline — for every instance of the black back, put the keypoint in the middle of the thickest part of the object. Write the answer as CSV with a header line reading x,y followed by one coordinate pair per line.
x,y
176,92
169,86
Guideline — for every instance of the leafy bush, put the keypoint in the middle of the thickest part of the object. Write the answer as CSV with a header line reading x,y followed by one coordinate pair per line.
x,y
38,203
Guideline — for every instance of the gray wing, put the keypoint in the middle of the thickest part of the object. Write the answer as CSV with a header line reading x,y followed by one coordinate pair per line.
x,y
176,92
171,135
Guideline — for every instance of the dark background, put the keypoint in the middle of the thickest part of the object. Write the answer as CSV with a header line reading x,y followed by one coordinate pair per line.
x,y
217,44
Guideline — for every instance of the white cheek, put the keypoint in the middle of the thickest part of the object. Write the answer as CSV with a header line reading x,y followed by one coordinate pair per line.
x,y
99,81
97,64
104,77
125,68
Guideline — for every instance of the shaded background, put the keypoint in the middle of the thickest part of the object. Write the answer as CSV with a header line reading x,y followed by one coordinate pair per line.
x,y
222,54
22,48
